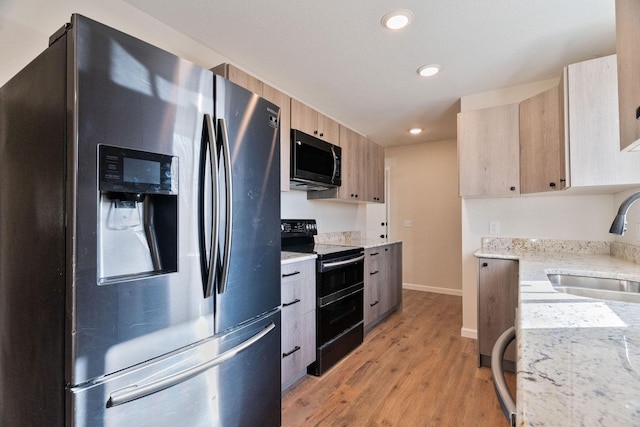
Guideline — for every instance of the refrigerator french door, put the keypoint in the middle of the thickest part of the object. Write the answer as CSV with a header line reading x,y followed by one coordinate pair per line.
x,y
140,247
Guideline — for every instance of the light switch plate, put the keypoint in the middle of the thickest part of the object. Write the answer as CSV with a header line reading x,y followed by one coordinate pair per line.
x,y
494,227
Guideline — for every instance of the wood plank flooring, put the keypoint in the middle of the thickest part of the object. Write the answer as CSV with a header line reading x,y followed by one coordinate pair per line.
x,y
413,369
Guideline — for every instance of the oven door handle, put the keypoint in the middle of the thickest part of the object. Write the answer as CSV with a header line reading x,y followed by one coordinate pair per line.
x,y
499,383
325,266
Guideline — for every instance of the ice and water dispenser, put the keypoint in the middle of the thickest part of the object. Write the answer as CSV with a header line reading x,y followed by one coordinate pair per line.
x,y
138,213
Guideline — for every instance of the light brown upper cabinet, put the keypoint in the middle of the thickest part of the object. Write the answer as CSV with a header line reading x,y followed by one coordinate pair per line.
x,y
542,147
312,122
271,94
489,151
591,105
627,37
374,164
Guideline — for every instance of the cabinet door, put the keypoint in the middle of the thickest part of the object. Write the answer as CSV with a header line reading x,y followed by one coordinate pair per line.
x,y
489,151
592,128
542,148
284,102
353,159
395,274
374,173
627,36
303,117
497,301
328,129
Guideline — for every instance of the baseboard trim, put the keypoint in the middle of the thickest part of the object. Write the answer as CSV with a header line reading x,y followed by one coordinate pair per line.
x,y
469,333
436,290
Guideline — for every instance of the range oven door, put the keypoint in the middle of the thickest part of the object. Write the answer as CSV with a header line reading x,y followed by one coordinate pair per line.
x,y
340,315
505,399
338,275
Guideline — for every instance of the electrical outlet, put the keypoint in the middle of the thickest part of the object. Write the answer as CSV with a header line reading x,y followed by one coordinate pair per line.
x,y
494,227
408,223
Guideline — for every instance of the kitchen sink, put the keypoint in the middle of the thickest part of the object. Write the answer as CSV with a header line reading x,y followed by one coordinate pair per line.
x,y
596,287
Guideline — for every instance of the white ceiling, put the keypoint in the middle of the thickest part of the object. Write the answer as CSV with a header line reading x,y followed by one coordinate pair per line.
x,y
335,56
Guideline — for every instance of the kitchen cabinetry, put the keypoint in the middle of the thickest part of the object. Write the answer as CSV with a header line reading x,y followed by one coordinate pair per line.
x,y
542,142
591,104
628,64
497,301
298,294
489,151
312,122
374,172
271,94
382,282
362,171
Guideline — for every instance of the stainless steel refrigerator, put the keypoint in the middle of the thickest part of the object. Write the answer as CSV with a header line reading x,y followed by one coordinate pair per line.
x,y
139,240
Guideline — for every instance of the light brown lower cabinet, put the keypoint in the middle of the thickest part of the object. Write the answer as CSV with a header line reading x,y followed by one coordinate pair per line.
x,y
382,282
298,295
497,301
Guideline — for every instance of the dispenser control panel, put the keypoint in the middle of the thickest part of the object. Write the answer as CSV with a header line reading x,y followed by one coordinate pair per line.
x,y
123,170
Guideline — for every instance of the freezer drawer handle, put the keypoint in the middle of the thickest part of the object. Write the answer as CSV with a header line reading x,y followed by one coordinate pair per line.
x,y
134,392
499,383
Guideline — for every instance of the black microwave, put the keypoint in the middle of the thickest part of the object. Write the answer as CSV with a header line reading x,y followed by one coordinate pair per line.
x,y
315,164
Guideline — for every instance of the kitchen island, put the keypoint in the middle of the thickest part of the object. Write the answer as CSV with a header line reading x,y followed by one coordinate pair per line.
x,y
578,359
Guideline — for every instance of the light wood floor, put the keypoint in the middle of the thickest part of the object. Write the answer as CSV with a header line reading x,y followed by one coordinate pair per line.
x,y
414,369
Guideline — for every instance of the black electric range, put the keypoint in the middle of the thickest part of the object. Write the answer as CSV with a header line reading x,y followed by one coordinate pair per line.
x,y
339,292
297,236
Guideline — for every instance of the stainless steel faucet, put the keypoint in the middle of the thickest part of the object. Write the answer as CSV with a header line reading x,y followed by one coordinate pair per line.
x,y
619,225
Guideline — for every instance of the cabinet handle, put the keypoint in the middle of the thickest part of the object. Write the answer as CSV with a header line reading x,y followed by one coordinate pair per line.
x,y
563,180
290,274
382,236
386,249
513,188
374,253
638,113
375,272
484,264
375,303
552,184
321,134
315,132
287,304
296,348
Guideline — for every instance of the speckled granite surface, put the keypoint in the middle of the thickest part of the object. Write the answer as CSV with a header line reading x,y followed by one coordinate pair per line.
x,y
578,358
289,257
351,238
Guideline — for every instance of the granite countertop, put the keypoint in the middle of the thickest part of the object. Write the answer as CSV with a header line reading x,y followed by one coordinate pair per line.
x,y
368,243
578,358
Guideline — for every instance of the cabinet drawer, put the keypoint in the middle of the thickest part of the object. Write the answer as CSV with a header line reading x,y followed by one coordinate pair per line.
x,y
298,270
298,297
298,345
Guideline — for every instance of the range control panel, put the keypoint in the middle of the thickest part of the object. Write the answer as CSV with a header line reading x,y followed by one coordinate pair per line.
x,y
298,227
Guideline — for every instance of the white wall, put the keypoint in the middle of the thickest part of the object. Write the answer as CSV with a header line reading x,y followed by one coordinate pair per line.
x,y
331,216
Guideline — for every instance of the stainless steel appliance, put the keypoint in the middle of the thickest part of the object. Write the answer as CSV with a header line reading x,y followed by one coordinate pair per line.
x,y
339,292
315,164
140,255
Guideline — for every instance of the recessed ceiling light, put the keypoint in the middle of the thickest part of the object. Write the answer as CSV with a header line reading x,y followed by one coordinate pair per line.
x,y
397,19
429,70
415,131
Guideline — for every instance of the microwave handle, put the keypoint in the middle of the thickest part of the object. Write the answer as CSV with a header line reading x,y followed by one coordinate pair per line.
x,y
335,164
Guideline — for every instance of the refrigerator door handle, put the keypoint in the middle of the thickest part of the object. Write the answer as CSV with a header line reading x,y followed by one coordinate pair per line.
x,y
208,267
226,155
135,391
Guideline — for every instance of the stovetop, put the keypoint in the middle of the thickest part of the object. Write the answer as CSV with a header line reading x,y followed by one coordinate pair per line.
x,y
297,236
